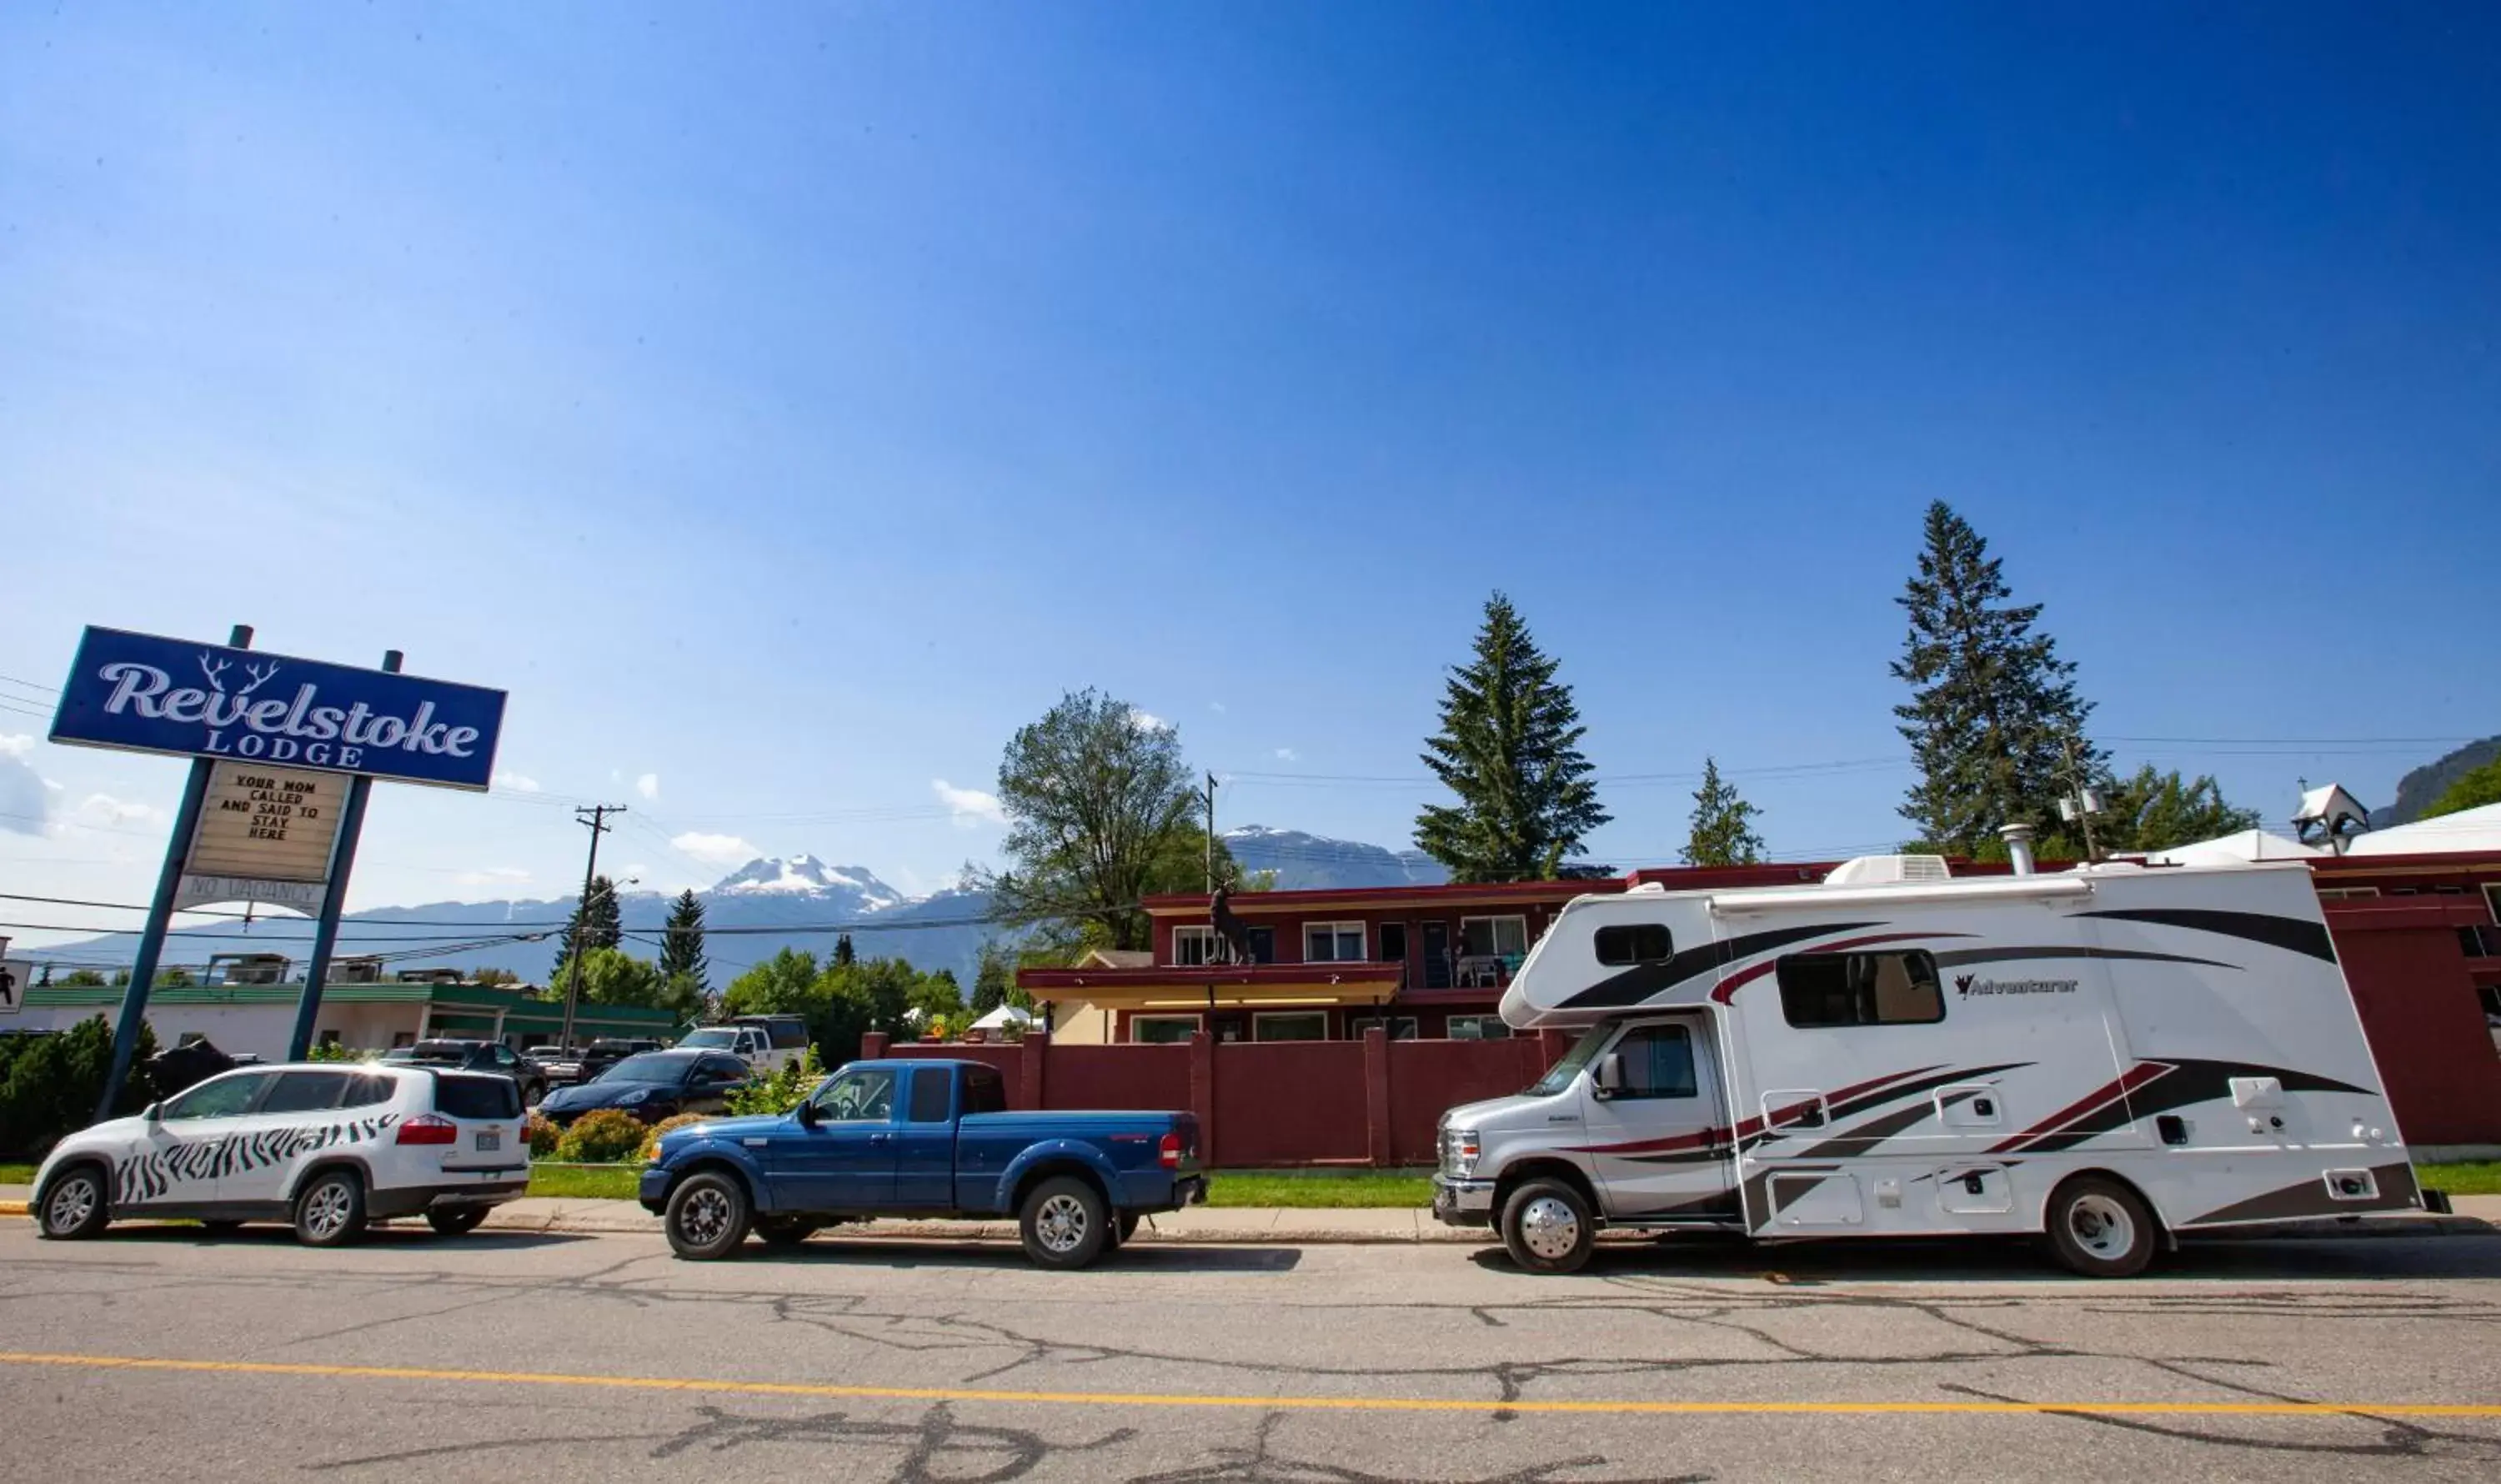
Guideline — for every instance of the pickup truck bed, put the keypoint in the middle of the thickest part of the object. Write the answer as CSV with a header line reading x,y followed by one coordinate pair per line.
x,y
922,1138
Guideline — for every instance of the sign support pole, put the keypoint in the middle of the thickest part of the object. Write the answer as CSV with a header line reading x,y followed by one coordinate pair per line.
x,y
160,918
334,901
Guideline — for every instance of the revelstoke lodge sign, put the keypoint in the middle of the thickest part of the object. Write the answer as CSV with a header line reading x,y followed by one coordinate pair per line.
x,y
147,694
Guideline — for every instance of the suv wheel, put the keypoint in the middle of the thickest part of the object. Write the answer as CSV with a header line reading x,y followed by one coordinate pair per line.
x,y
1546,1226
330,1211
708,1217
1065,1223
75,1207
454,1221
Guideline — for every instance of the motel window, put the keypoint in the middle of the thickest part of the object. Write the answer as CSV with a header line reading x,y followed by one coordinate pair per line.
x,y
1194,947
1499,937
1289,1025
1479,1027
2347,894
1635,943
1162,1030
1865,989
1263,944
1400,1027
2492,899
1332,943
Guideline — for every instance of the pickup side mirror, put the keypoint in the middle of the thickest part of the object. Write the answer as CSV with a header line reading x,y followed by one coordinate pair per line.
x,y
808,1115
1608,1079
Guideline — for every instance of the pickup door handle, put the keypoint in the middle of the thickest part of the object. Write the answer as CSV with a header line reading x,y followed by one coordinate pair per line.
x,y
878,1138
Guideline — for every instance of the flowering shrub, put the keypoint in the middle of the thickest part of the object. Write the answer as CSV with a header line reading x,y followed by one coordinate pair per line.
x,y
667,1125
543,1136
601,1137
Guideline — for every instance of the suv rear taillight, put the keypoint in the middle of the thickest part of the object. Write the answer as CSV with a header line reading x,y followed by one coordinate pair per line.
x,y
1168,1152
428,1128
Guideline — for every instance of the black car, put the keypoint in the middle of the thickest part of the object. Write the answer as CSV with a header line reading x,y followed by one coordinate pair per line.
x,y
564,1067
474,1057
653,1086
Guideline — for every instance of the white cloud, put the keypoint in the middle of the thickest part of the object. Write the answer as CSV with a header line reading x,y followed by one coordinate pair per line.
x,y
20,746
649,785
715,849
118,811
1148,721
24,805
1289,755
516,783
494,876
971,806
1215,706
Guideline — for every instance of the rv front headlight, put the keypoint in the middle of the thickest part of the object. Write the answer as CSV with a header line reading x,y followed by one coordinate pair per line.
x,y
1460,1149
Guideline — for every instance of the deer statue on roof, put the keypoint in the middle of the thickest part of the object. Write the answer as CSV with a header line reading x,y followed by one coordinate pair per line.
x,y
1229,926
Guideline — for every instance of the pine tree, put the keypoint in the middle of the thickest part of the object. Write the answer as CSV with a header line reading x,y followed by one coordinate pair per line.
x,y
1509,748
995,977
844,956
1992,706
596,923
1722,832
681,942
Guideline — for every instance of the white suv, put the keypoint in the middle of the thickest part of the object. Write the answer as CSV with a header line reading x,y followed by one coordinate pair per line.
x,y
326,1147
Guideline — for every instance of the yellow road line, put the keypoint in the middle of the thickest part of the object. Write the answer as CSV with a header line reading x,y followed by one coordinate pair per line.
x,y
1296,1404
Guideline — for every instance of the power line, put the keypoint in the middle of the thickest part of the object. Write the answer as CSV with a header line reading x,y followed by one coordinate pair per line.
x,y
11,680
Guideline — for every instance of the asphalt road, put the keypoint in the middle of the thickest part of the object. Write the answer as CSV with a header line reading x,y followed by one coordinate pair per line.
x,y
555,1356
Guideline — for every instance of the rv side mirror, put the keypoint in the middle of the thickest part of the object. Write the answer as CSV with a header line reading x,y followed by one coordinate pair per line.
x,y
1609,1078
154,1113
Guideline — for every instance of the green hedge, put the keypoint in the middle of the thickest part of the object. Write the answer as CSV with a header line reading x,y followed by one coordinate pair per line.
x,y
49,1084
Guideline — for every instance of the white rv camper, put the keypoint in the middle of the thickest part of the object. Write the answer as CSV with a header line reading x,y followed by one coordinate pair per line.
x,y
2110,1055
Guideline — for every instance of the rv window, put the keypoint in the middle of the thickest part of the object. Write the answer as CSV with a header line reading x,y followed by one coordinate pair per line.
x,y
1635,943
1872,989
1658,1063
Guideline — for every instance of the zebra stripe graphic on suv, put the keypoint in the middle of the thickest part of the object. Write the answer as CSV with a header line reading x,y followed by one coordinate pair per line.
x,y
152,1176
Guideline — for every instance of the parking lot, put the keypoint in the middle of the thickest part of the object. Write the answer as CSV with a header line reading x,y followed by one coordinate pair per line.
x,y
578,1357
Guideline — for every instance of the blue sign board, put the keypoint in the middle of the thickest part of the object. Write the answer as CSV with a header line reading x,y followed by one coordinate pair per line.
x,y
147,694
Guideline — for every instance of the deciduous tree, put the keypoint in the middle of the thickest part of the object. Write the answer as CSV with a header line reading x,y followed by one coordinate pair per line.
x,y
1098,803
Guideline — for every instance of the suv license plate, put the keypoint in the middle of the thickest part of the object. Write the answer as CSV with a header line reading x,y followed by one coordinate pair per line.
x,y
487,1142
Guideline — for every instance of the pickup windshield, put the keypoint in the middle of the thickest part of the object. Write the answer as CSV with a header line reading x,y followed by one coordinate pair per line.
x,y
715,1039
1559,1076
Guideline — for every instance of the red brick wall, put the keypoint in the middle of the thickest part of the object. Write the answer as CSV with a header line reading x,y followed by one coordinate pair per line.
x,y
2416,991
1283,1103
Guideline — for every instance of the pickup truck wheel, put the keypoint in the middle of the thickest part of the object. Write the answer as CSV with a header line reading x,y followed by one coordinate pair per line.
x,y
708,1217
1546,1228
1065,1223
784,1231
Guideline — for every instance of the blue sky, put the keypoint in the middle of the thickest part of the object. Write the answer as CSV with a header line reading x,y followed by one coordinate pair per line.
x,y
783,403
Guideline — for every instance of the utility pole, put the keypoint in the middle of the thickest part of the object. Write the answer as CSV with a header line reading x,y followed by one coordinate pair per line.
x,y
1211,834
2081,803
596,816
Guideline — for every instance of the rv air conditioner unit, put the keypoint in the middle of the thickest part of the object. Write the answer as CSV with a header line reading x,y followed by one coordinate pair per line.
x,y
1888,870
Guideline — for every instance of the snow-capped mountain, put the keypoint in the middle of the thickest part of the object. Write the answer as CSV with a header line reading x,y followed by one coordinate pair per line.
x,y
1313,863
807,875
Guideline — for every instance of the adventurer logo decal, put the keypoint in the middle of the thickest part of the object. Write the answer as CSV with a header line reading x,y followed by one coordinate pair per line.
x,y
1968,985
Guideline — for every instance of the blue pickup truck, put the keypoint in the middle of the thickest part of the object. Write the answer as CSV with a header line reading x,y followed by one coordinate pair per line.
x,y
922,1138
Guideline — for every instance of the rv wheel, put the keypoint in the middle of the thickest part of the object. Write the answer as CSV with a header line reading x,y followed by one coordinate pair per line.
x,y
2101,1229
1546,1226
